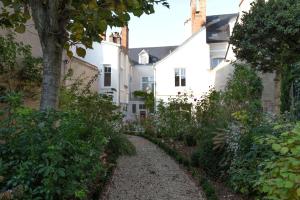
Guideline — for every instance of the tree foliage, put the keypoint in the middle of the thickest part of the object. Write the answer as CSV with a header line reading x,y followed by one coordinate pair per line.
x,y
19,70
79,21
63,23
268,36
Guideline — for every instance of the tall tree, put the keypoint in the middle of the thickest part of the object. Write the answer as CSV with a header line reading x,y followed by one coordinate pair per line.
x,y
63,23
268,38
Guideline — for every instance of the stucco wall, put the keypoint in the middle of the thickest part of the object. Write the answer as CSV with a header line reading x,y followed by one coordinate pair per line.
x,y
84,71
139,71
194,56
108,53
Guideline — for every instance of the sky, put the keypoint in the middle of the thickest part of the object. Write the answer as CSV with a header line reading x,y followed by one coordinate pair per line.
x,y
166,26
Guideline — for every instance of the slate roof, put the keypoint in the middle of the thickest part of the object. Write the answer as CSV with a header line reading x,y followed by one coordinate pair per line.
x,y
217,27
155,53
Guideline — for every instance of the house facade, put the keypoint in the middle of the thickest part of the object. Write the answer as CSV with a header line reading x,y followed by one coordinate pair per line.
x,y
189,69
111,58
204,60
142,77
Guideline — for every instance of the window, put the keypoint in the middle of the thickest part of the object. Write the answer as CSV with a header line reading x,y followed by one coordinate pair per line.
x,y
133,108
107,75
142,107
215,62
147,84
180,79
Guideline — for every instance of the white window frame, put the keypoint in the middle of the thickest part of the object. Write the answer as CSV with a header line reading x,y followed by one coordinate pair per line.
x,y
107,66
181,73
149,82
143,57
214,64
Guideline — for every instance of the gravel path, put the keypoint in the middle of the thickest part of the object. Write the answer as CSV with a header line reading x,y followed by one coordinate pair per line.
x,y
150,175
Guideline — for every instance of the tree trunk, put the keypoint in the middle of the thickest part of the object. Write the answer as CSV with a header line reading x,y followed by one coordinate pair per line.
x,y
52,59
50,26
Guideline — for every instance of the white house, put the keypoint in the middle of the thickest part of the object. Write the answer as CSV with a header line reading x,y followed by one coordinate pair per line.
x,y
204,60
111,58
142,76
188,69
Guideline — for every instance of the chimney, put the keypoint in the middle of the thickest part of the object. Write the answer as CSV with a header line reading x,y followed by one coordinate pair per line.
x,y
198,14
125,38
115,38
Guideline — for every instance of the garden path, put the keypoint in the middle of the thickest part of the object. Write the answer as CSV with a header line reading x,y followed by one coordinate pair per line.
x,y
150,175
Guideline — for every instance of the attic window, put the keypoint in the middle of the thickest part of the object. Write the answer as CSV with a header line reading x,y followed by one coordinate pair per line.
x,y
143,57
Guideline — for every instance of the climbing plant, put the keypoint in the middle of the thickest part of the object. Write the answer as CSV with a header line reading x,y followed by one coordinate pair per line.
x,y
148,97
19,70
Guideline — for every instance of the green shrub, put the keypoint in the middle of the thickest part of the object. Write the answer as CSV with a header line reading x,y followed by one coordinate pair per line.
x,y
279,175
120,145
59,154
50,155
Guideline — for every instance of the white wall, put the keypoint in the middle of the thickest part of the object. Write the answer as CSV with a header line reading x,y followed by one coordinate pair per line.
x,y
137,72
194,56
111,53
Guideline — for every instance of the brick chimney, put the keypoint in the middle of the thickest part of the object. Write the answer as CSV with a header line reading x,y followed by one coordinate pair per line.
x,y
125,38
198,14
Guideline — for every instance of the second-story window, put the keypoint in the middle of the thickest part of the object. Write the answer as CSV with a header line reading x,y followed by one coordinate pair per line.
x,y
180,79
147,83
215,62
107,75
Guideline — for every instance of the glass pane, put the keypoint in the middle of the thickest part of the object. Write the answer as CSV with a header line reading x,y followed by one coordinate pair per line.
x,y
176,72
133,108
182,72
107,79
176,80
144,86
183,81
144,79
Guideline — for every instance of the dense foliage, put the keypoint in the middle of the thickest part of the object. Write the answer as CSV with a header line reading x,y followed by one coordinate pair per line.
x,y
280,177
257,154
268,35
59,154
19,70
64,24
147,97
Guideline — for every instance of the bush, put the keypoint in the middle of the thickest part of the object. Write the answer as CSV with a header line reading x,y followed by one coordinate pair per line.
x,y
279,176
59,154
50,155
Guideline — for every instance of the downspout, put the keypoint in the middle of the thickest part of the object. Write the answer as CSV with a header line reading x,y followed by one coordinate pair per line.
x,y
154,64
119,64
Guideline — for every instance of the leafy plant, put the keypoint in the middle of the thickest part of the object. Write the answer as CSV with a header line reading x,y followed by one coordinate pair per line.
x,y
19,70
279,175
148,98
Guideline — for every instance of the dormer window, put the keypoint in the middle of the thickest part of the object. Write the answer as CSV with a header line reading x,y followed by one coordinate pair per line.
x,y
143,57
